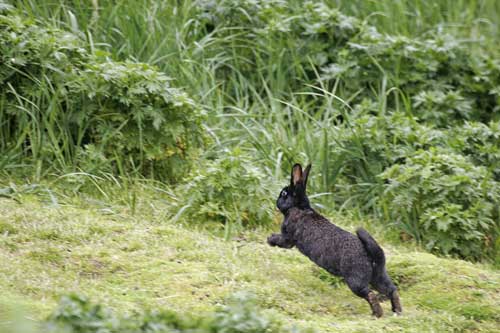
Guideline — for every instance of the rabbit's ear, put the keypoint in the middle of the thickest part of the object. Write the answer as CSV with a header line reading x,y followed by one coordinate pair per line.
x,y
305,175
296,174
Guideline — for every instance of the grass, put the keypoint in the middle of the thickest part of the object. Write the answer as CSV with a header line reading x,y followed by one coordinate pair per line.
x,y
131,249
132,262
416,17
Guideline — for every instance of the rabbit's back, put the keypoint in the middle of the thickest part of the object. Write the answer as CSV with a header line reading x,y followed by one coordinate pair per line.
x,y
336,250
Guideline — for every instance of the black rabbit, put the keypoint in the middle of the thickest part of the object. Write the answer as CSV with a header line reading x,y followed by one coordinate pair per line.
x,y
358,259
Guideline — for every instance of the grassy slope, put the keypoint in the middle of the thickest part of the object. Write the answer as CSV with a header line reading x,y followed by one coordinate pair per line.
x,y
140,261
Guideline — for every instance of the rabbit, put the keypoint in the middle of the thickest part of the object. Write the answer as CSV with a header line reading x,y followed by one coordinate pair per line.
x,y
357,259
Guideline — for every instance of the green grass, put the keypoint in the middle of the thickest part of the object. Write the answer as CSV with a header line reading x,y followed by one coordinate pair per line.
x,y
130,247
416,17
135,262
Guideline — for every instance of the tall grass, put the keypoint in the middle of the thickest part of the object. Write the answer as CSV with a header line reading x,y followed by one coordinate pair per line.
x,y
169,34
412,18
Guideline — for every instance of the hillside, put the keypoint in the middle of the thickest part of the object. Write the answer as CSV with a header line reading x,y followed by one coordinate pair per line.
x,y
143,143
136,262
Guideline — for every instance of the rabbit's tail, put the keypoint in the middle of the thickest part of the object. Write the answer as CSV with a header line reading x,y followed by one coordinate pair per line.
x,y
374,250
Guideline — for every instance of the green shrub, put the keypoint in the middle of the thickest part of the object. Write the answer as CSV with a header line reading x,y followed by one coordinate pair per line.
x,y
370,145
76,314
241,315
438,185
286,40
444,78
479,142
231,189
61,103
440,72
406,95
445,202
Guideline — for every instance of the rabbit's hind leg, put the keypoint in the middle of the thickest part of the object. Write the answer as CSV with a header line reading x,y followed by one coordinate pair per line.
x,y
385,286
363,291
396,303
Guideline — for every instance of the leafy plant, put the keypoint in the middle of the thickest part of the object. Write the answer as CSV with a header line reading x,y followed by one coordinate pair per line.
x,y
230,189
445,202
76,314
241,314
60,103
479,141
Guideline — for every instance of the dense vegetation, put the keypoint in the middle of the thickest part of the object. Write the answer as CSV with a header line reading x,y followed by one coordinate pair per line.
x,y
208,102
65,107
401,127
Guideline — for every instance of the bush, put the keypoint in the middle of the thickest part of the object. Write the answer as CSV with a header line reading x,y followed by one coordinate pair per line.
x,y
446,81
241,314
61,103
370,145
295,37
479,142
230,189
441,74
444,201
76,314
440,186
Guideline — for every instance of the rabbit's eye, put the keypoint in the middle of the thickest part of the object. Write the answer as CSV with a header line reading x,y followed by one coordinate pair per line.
x,y
284,193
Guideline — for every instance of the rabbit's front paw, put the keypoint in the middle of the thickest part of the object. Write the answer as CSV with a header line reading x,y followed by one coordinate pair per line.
x,y
273,239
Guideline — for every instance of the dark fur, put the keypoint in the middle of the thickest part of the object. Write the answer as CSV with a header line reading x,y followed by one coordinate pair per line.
x,y
358,259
